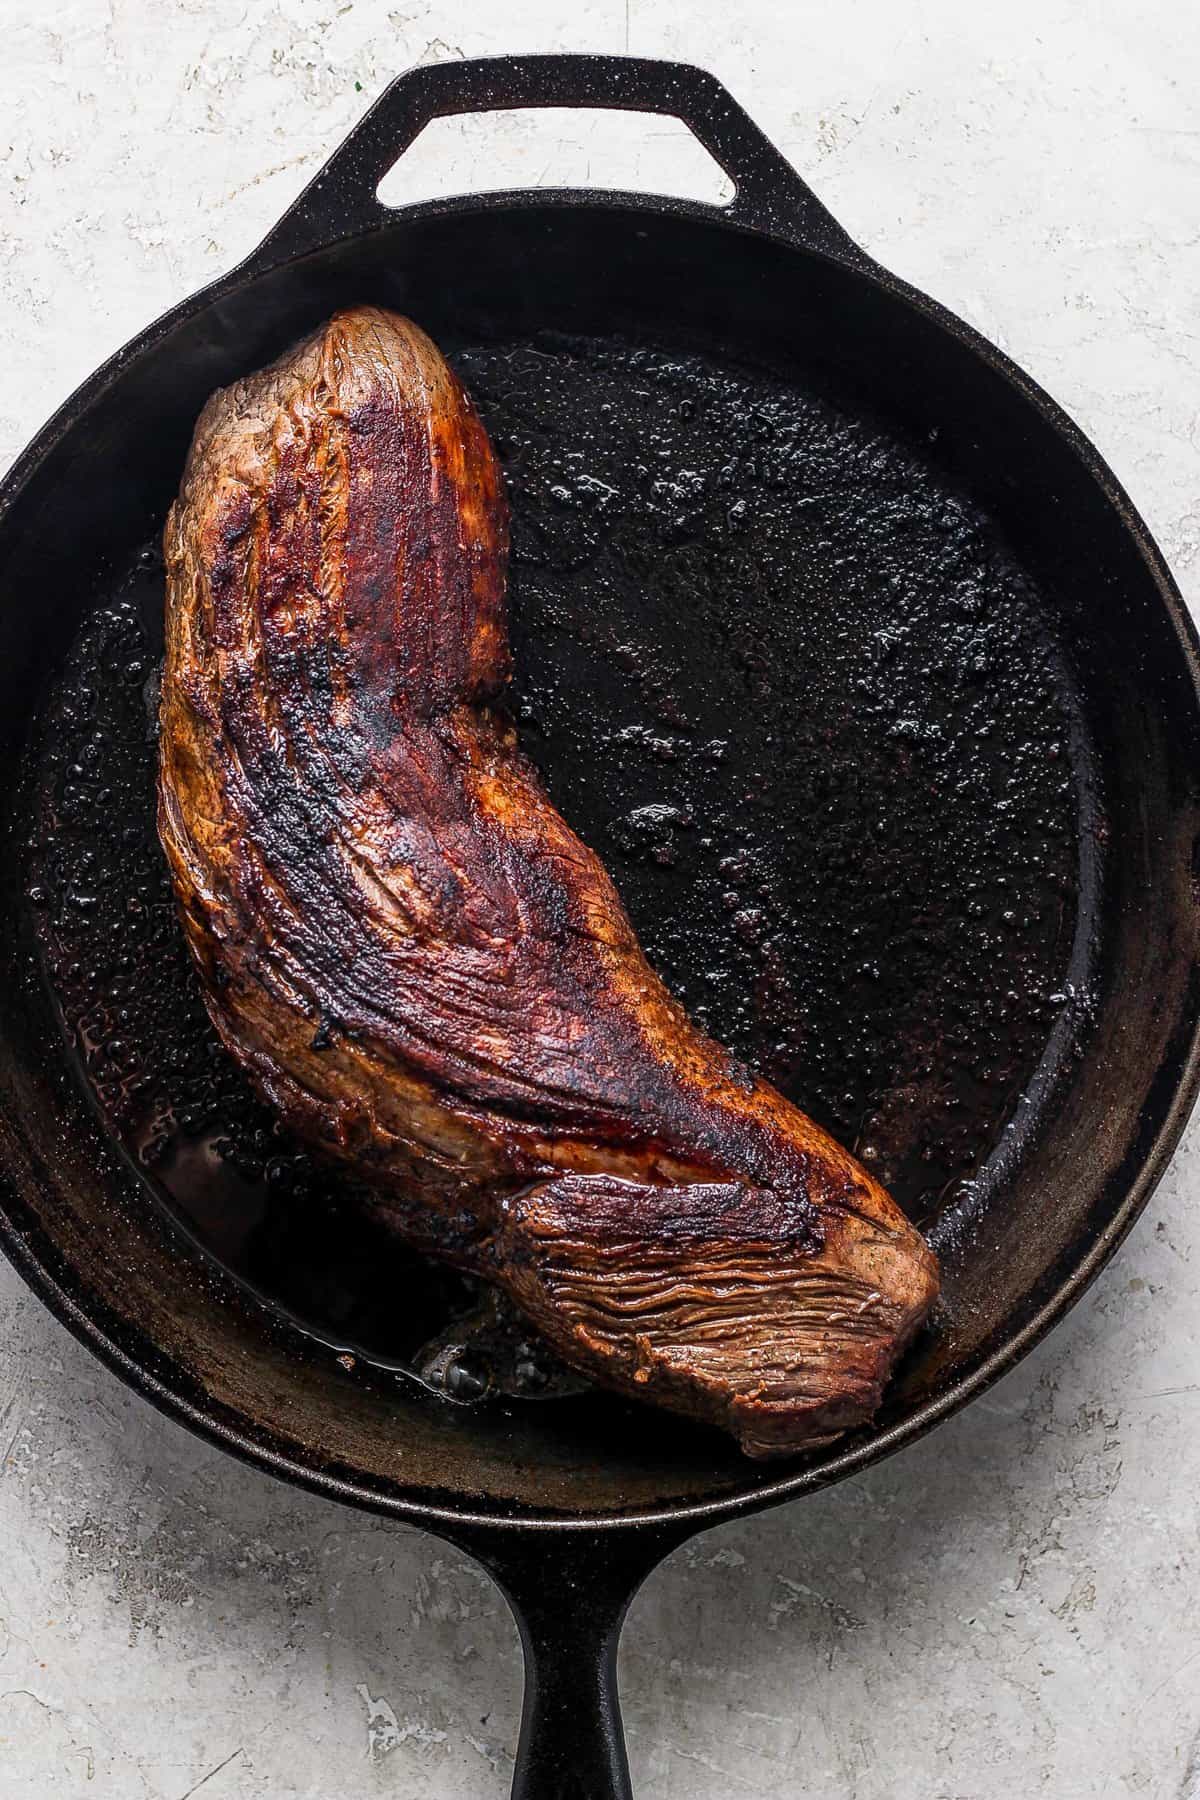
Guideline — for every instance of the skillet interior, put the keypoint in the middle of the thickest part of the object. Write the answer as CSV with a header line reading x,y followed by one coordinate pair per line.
x,y
1059,1101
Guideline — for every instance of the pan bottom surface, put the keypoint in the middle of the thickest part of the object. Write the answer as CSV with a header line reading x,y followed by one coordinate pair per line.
x,y
803,701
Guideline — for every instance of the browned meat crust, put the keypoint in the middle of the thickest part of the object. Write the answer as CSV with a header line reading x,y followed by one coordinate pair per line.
x,y
419,963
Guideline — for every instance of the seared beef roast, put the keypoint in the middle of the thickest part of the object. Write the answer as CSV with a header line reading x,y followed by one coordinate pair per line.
x,y
421,966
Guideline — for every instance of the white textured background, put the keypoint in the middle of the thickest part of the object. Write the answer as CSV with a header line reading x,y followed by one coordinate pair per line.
x,y
1009,1608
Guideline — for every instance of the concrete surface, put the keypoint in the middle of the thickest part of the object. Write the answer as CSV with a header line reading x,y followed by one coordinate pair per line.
x,y
1008,1608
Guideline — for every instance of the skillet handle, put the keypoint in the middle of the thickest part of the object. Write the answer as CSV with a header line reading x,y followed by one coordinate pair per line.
x,y
769,195
569,1592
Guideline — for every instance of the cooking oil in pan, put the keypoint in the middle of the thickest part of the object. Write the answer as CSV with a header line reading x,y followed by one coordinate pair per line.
x,y
797,695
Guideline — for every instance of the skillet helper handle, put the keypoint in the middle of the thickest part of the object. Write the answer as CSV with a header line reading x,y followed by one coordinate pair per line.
x,y
769,195
569,1595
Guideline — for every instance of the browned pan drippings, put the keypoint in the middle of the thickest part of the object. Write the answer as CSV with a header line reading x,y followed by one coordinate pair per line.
x,y
804,704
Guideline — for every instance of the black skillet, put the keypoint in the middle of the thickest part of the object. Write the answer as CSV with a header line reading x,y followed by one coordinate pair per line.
x,y
983,973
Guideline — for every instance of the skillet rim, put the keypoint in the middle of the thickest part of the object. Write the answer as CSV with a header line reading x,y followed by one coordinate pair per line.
x,y
837,1464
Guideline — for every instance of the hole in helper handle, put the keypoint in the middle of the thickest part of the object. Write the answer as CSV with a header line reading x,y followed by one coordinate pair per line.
x,y
580,149
569,1592
768,194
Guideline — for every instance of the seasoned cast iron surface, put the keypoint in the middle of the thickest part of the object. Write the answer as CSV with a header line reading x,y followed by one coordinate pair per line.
x,y
800,700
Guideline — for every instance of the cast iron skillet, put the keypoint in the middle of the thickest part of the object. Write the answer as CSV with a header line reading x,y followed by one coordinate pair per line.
x,y
569,1504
